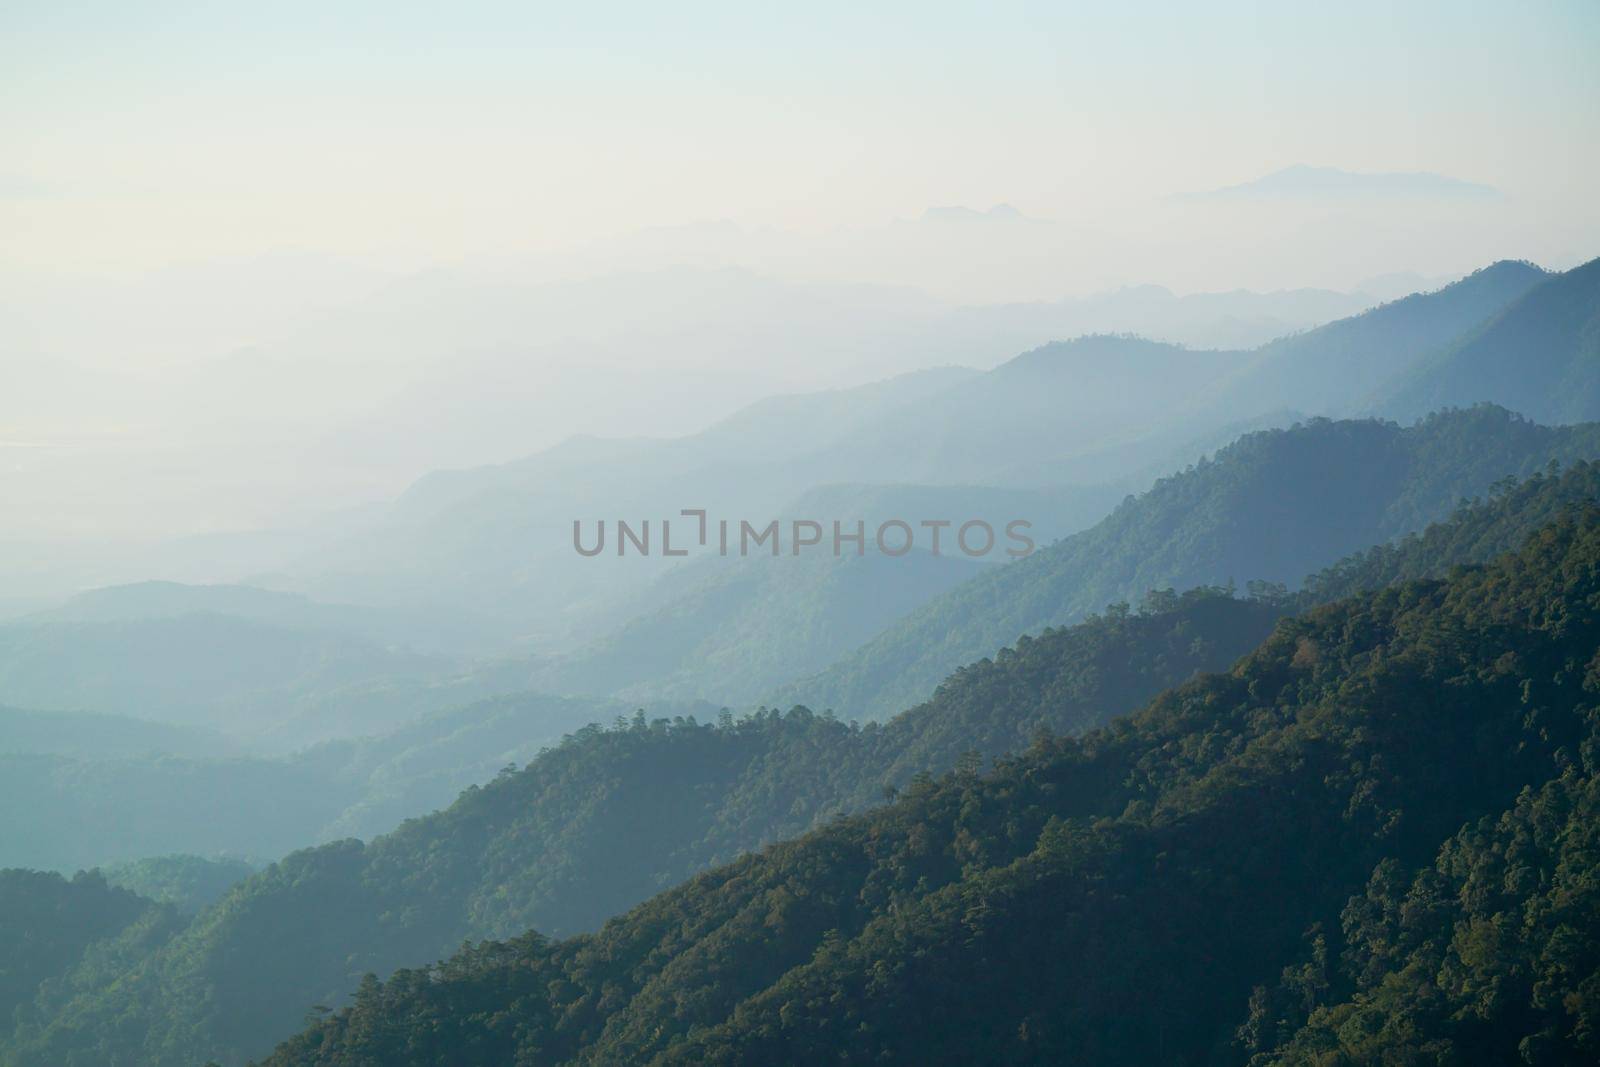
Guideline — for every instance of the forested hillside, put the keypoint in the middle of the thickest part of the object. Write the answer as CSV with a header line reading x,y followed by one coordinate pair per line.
x,y
590,828
1079,416
189,882
1541,357
1020,422
735,629
1338,368
91,735
748,625
204,669
1043,535
1272,507
48,923
1367,842
614,815
62,813
420,630
88,790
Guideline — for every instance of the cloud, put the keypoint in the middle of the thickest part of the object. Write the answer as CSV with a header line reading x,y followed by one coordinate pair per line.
x,y
1302,182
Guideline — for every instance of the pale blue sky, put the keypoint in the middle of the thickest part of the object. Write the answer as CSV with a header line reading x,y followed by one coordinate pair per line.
x,y
133,135
236,210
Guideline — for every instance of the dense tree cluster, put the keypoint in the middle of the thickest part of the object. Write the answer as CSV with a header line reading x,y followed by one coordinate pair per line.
x,y
615,815
48,923
597,824
190,882
1370,841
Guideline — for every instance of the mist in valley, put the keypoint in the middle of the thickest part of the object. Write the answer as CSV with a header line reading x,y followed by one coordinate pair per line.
x,y
330,336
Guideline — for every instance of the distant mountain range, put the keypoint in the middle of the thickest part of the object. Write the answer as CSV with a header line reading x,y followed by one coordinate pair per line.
x,y
1341,368
1269,507
1268,840
482,559
1368,841
81,789
224,672
1540,356
613,814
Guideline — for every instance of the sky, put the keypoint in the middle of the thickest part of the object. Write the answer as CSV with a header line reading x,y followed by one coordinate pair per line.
x,y
140,135
247,250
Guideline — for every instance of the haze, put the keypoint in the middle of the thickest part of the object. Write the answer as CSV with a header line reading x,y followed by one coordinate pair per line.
x,y
260,264
1001,533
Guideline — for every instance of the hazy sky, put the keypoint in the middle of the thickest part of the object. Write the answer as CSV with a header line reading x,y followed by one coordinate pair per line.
x,y
248,250
140,134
